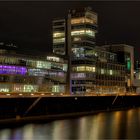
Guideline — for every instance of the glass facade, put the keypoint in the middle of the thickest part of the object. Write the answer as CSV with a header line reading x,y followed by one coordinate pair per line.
x,y
37,74
6,69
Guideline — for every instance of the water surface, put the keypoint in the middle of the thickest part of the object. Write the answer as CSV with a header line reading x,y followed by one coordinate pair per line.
x,y
106,125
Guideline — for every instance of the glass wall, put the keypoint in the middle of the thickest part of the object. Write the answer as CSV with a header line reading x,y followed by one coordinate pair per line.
x,y
7,69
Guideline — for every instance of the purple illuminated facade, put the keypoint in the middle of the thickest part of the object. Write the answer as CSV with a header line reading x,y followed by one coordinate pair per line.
x,y
7,69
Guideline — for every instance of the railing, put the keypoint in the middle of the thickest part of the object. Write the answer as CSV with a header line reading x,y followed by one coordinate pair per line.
x,y
50,94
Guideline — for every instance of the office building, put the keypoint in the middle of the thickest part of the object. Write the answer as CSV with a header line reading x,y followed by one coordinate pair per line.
x,y
27,74
77,34
125,55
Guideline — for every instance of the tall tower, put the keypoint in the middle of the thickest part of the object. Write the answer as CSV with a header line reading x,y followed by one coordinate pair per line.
x,y
76,32
74,36
82,28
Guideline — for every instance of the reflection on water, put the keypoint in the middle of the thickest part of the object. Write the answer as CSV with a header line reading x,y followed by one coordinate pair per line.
x,y
108,125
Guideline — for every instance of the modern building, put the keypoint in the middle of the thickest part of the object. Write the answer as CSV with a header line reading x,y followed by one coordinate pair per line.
x,y
74,36
76,33
27,74
125,55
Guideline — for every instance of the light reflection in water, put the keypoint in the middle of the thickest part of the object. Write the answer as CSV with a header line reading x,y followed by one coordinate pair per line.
x,y
108,125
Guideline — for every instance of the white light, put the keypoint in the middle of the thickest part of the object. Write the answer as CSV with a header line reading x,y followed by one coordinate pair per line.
x,y
52,94
8,94
20,94
32,94
42,94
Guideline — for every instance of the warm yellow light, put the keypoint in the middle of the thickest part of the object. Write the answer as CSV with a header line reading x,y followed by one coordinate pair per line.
x,y
58,34
83,32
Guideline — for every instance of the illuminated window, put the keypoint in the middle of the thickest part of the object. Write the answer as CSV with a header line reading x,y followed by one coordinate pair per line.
x,y
91,69
102,71
5,87
59,40
138,76
83,32
65,66
81,68
128,64
56,88
77,20
37,72
90,32
78,32
58,34
29,88
78,75
84,68
82,20
110,72
78,52
53,58
43,64
76,39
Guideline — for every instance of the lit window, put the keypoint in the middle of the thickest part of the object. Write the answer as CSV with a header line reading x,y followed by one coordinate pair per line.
x,y
29,88
78,32
43,64
102,71
110,72
56,88
138,75
78,75
53,58
59,40
76,39
65,67
58,34
93,69
77,20
84,68
83,32
82,20
90,32
81,68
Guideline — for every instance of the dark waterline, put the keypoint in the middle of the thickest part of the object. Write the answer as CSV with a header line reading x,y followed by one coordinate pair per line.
x,y
106,125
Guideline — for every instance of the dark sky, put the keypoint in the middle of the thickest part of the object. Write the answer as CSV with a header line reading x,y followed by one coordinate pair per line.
x,y
29,23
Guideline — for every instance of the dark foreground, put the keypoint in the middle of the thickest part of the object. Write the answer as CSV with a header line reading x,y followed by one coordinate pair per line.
x,y
27,109
123,124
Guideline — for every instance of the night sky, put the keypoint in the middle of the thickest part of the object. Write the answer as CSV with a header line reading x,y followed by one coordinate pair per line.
x,y
28,24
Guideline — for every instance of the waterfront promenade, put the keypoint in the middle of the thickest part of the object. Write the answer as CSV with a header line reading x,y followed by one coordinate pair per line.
x,y
45,94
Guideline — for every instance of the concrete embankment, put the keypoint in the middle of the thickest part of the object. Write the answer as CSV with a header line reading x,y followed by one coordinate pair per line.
x,y
50,108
